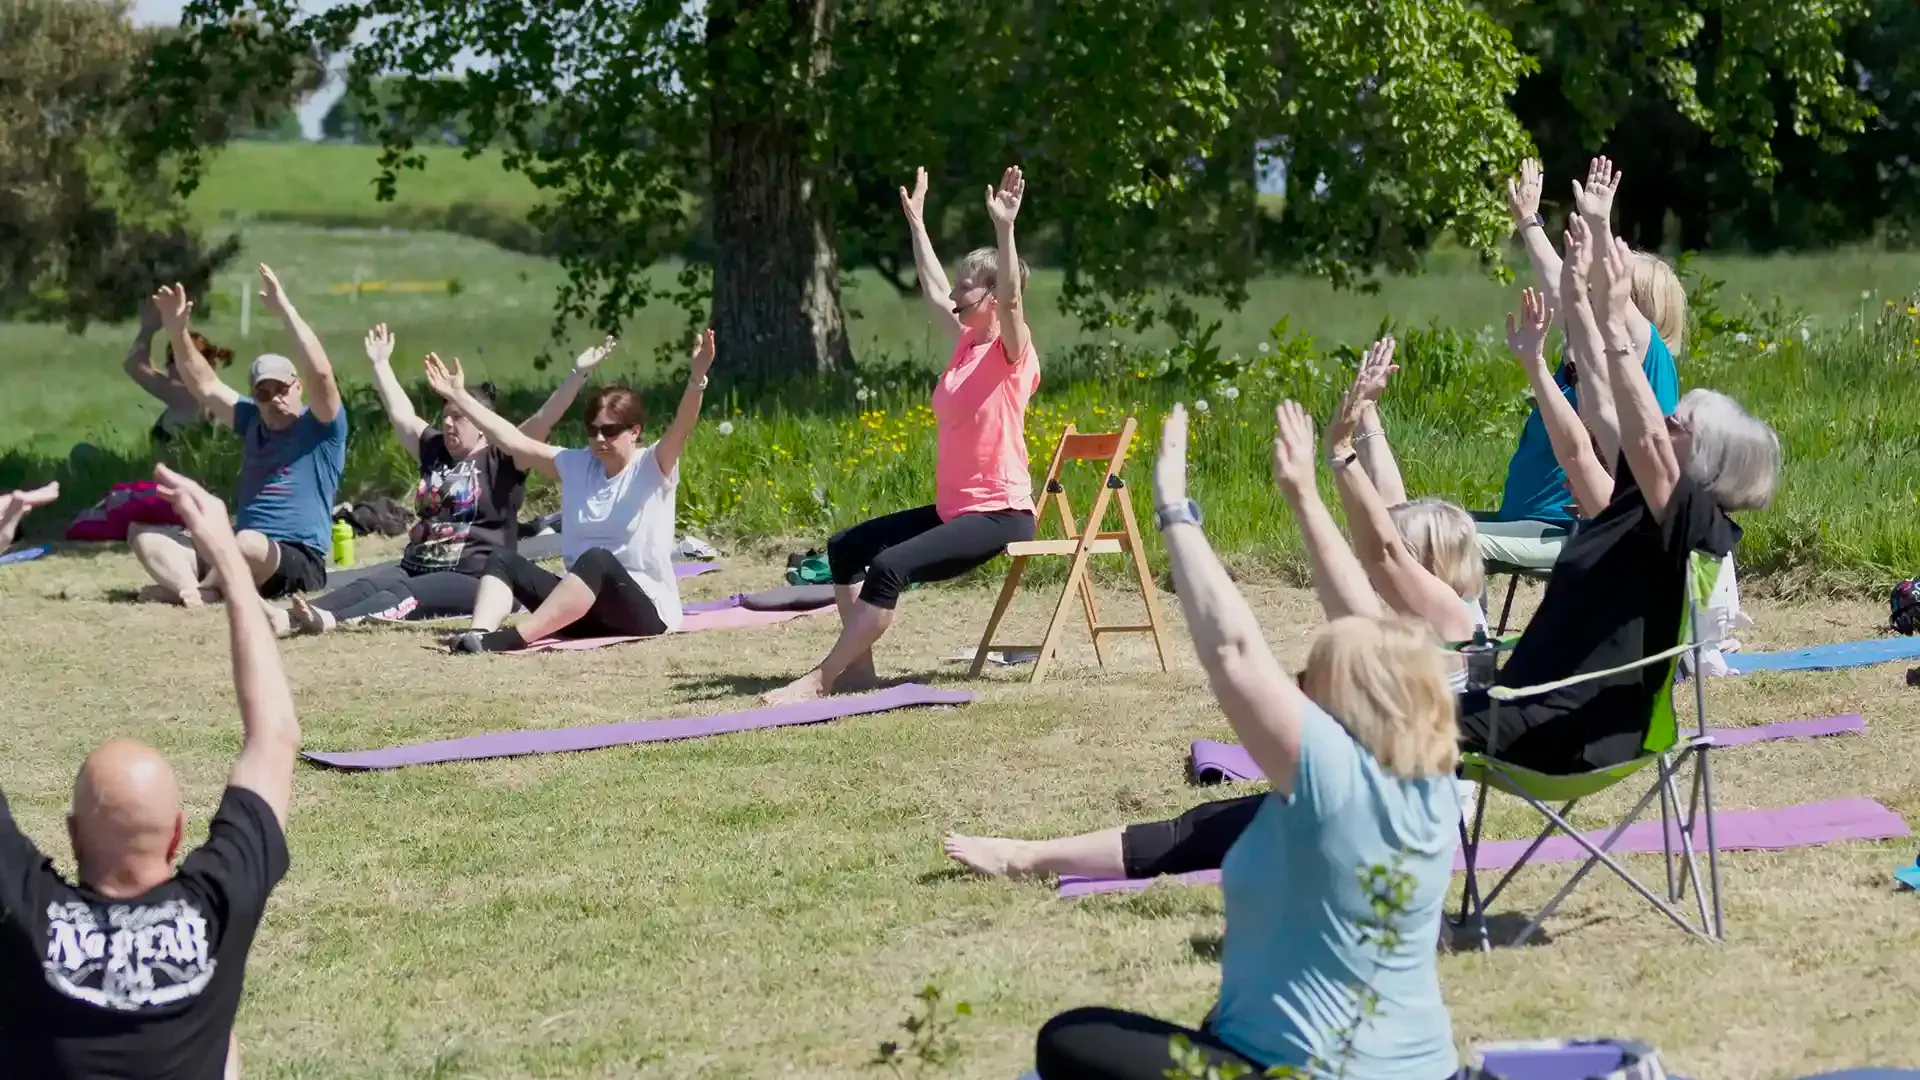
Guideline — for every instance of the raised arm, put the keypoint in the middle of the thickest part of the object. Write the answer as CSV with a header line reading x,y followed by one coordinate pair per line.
x,y
1643,428
1358,420
1003,206
1260,701
139,362
216,397
1590,482
1523,198
673,441
934,287
450,382
1405,585
554,409
1598,410
407,425
1338,578
1594,202
270,731
316,371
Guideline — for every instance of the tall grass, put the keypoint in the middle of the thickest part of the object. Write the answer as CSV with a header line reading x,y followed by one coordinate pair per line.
x,y
1845,400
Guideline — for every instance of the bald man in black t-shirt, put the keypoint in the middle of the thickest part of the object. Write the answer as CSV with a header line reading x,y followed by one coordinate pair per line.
x,y
136,971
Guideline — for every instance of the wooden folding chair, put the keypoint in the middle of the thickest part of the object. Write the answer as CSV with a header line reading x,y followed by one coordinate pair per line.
x,y
1081,545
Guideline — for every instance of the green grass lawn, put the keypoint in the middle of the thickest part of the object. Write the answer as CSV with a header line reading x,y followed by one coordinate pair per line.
x,y
767,904
268,179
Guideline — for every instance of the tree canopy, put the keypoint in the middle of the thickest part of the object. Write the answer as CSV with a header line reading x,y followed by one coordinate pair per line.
x,y
1142,124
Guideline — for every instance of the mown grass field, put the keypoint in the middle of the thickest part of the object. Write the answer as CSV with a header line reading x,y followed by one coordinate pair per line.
x,y
766,904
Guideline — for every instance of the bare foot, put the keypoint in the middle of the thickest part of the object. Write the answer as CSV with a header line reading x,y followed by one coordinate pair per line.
x,y
43,495
277,618
194,597
990,855
807,687
307,619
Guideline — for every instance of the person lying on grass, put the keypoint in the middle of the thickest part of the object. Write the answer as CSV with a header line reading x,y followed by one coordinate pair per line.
x,y
181,409
16,505
983,494
468,502
135,970
1362,751
1616,597
617,511
292,453
1536,509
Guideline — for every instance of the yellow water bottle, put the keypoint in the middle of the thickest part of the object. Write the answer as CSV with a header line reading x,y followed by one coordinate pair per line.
x,y
342,544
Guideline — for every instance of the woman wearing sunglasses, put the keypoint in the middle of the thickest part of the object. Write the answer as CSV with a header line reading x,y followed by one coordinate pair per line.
x,y
983,493
617,507
467,503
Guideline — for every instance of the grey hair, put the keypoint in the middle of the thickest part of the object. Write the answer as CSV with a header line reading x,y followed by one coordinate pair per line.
x,y
982,267
1735,456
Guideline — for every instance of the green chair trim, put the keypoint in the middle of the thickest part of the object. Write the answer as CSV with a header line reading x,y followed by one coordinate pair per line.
x,y
1547,787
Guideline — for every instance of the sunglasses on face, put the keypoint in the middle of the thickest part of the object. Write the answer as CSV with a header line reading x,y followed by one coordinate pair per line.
x,y
606,431
270,391
979,298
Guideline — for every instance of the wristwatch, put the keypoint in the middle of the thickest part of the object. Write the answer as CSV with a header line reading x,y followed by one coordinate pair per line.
x,y
1187,513
1532,219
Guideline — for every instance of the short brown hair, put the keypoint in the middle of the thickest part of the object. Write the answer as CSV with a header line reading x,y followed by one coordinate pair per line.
x,y
621,401
982,267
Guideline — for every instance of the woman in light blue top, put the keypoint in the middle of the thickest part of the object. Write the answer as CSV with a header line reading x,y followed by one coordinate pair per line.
x,y
1360,804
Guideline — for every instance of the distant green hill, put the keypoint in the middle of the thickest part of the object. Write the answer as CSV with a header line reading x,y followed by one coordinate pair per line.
x,y
333,183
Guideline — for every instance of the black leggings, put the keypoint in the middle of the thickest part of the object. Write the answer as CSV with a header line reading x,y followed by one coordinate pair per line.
x,y
393,593
619,608
1112,1044
911,546
1196,840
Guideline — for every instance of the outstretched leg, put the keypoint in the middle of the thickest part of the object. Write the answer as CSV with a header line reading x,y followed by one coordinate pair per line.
x,y
1196,840
1094,855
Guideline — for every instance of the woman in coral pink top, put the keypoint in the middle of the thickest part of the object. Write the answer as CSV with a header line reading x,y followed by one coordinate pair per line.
x,y
983,494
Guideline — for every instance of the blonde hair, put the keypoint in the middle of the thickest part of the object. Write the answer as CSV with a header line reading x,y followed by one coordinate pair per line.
x,y
1442,538
1383,679
1658,294
982,267
1734,455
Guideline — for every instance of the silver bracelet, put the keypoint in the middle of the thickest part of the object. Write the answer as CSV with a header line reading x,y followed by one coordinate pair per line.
x,y
1364,436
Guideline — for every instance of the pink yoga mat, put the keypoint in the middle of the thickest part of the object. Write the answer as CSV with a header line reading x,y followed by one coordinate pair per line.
x,y
727,618
1212,762
1734,830
501,744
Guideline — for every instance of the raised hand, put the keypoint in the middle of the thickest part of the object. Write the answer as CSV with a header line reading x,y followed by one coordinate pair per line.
x,y
1594,199
380,345
914,203
1003,204
1293,447
204,515
150,321
1613,284
1523,192
173,307
1170,468
272,295
1369,382
703,354
1527,335
447,380
1574,270
586,361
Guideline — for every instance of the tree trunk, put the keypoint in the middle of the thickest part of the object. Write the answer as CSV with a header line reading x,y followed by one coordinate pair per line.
x,y
776,275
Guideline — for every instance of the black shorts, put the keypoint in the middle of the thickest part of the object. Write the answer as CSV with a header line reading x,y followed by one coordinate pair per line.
x,y
298,569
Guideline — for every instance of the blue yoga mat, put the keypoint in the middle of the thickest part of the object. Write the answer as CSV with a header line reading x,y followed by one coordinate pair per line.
x,y
1843,654
1908,875
22,555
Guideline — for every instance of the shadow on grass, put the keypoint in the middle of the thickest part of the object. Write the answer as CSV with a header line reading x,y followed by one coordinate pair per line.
x,y
1501,930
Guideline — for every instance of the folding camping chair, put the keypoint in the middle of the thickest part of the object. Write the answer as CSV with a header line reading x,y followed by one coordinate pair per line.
x,y
1081,545
1514,573
1664,748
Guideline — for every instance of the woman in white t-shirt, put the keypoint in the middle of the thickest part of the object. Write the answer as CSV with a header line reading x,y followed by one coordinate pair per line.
x,y
616,504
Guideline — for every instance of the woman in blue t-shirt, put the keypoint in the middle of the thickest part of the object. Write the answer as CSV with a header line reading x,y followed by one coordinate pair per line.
x,y
1362,805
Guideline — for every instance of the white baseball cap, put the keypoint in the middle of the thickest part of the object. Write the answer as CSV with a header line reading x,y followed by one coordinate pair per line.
x,y
272,367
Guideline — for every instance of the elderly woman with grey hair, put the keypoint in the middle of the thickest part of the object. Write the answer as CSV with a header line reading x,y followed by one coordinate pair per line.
x,y
1619,588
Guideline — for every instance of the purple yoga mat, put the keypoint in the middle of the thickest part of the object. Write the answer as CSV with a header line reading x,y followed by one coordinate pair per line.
x,y
501,744
693,569
1734,830
730,616
1217,762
